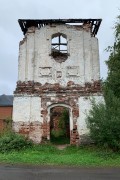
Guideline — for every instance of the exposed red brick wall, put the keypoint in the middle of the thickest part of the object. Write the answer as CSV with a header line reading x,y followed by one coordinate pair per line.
x,y
32,87
5,112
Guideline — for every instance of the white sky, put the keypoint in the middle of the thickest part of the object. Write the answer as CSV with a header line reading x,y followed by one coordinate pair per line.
x,y
11,34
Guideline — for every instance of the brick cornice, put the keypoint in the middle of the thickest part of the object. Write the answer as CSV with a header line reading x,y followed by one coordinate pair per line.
x,y
31,87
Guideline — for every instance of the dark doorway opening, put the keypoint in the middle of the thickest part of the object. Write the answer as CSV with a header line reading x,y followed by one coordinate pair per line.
x,y
59,125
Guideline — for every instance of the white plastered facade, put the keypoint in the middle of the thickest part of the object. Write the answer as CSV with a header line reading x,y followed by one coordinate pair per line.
x,y
37,64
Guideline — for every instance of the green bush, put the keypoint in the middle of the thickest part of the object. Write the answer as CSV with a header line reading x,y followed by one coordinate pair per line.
x,y
104,122
11,141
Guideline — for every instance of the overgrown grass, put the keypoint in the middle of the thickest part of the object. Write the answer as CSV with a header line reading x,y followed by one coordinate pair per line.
x,y
71,156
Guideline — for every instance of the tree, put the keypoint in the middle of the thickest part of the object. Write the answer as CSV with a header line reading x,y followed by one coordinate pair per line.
x,y
113,63
104,119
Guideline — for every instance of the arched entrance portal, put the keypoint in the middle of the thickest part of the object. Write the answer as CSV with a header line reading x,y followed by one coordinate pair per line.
x,y
61,123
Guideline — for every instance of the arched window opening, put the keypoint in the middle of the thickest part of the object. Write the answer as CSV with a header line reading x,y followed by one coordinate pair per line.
x,y
59,46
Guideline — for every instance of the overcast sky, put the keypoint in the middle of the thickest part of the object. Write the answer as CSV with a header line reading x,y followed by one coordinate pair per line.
x,y
11,34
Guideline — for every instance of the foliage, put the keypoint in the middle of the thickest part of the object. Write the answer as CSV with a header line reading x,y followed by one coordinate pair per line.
x,y
104,123
59,136
60,140
11,141
7,126
64,119
113,63
104,119
57,133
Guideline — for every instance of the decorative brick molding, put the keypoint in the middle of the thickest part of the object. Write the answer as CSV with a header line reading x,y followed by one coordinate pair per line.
x,y
31,87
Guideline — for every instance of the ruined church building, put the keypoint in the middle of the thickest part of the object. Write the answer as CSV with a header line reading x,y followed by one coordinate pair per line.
x,y
58,67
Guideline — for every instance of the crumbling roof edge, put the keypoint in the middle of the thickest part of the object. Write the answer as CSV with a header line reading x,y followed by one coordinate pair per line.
x,y
26,23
